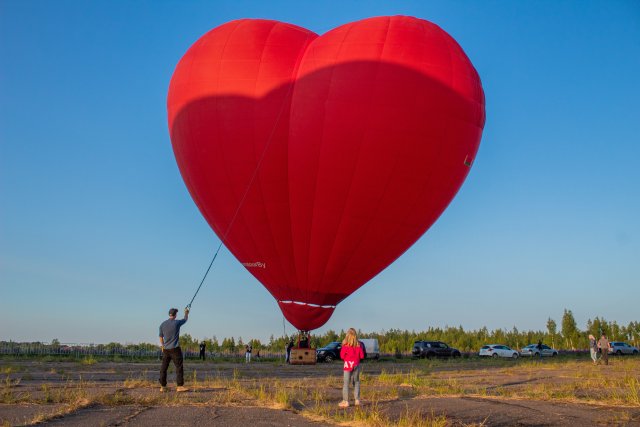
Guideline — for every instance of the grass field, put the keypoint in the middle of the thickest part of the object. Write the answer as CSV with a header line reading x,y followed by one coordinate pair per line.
x,y
402,393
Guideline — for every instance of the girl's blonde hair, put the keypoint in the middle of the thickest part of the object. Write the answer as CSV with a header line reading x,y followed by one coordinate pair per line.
x,y
351,338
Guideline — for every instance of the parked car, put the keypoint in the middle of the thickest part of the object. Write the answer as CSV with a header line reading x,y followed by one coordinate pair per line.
x,y
619,348
431,349
532,350
498,350
329,353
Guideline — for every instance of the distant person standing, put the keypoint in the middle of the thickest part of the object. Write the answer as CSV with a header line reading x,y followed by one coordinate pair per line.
x,y
247,353
171,351
289,347
203,347
593,348
603,344
351,352
303,342
539,347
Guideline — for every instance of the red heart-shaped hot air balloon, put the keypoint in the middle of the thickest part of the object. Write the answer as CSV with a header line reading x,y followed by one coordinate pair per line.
x,y
319,160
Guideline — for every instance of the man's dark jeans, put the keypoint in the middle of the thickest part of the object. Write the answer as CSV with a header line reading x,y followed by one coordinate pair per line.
x,y
174,354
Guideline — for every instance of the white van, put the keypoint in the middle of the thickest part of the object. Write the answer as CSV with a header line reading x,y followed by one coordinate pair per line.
x,y
372,347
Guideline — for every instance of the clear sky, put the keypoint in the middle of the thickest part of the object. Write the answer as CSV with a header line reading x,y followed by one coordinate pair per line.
x,y
99,236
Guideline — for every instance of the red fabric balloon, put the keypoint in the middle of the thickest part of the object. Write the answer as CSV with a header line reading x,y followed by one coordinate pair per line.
x,y
319,160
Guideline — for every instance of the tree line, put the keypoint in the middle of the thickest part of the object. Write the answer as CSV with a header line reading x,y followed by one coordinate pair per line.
x,y
567,337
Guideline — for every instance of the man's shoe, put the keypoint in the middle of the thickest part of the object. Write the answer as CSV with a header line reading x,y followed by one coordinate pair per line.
x,y
181,389
163,389
357,403
343,404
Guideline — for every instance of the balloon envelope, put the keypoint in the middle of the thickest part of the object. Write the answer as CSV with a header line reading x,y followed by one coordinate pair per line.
x,y
319,160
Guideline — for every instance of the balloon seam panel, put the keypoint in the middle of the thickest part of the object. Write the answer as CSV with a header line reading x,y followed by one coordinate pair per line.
x,y
345,264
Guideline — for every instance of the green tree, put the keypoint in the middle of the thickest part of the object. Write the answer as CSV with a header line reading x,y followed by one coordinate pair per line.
x,y
552,328
330,336
213,344
256,344
187,342
228,345
633,332
570,330
616,332
594,327
603,327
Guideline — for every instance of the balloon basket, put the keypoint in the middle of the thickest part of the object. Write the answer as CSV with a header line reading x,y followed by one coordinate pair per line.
x,y
303,356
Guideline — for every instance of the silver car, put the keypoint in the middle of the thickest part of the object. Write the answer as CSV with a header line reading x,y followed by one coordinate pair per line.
x,y
620,348
498,350
532,350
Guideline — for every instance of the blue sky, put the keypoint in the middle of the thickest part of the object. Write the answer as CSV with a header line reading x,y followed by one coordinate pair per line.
x,y
99,237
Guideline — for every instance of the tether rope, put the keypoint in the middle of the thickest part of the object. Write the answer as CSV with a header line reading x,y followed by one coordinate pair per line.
x,y
205,275
244,197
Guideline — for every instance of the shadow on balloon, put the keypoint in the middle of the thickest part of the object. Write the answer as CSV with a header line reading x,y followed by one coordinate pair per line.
x,y
321,183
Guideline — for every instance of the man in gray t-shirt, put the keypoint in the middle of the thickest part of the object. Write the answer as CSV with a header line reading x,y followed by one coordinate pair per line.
x,y
603,343
170,342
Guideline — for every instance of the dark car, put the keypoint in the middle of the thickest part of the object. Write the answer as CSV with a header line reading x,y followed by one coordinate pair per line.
x,y
431,349
329,353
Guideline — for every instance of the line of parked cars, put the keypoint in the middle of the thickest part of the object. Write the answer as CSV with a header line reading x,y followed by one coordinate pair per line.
x,y
497,350
430,349
439,349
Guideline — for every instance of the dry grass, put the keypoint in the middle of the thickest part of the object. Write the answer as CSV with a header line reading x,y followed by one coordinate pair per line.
x,y
89,360
616,385
6,370
65,410
373,415
140,381
316,398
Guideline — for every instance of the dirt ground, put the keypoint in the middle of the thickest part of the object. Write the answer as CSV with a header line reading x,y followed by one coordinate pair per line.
x,y
412,393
